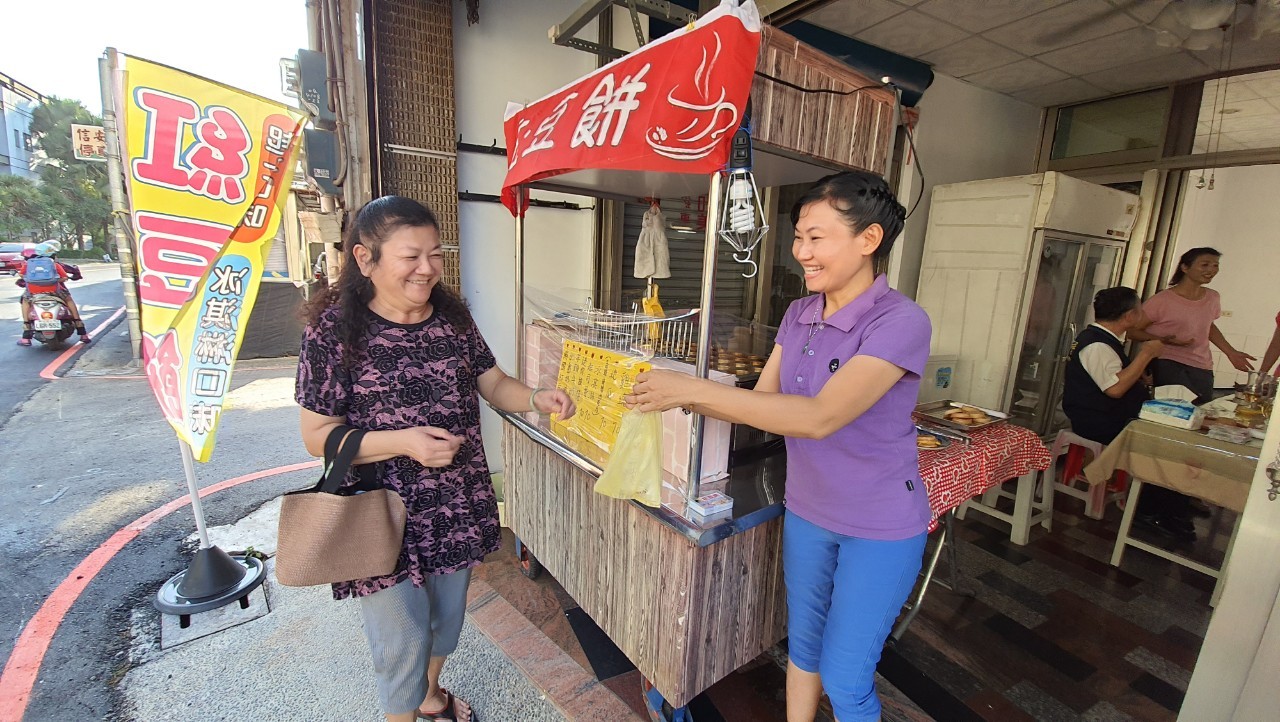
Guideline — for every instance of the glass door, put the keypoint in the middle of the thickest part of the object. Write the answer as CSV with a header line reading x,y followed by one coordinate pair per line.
x,y
1101,269
1047,324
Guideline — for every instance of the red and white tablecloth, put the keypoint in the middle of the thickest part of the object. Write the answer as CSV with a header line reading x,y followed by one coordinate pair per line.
x,y
962,471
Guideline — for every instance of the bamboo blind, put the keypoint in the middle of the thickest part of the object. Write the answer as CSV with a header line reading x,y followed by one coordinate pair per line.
x,y
413,81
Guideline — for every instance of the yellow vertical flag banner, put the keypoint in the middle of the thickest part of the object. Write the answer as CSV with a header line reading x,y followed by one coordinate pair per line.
x,y
208,168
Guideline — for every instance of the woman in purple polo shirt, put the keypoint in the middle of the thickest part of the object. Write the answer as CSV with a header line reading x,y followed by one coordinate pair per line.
x,y
840,384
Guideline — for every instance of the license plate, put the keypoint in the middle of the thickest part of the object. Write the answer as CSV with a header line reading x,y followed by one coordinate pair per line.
x,y
48,325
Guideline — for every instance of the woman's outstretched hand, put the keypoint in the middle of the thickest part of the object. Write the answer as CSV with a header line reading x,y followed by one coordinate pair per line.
x,y
1241,360
554,401
660,390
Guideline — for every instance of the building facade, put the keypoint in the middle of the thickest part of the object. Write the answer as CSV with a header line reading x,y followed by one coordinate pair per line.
x,y
17,148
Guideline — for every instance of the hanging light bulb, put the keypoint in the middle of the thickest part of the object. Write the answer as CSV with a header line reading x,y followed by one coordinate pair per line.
x,y
742,212
742,217
1200,183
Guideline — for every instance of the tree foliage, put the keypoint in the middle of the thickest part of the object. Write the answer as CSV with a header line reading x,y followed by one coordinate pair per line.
x,y
74,191
22,207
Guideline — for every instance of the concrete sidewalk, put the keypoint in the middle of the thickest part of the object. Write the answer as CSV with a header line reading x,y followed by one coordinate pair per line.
x,y
294,654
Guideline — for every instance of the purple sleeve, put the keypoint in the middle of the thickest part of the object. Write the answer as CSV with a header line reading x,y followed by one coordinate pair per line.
x,y
900,337
481,357
322,384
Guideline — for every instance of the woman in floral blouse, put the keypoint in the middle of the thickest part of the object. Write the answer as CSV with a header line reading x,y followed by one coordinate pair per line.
x,y
390,350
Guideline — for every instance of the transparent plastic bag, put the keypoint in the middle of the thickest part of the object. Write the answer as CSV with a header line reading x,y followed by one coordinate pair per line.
x,y
634,469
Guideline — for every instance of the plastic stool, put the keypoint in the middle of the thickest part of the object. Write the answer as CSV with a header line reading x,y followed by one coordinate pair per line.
x,y
1095,497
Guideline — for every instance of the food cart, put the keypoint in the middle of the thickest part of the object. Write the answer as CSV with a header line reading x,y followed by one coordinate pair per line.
x,y
687,598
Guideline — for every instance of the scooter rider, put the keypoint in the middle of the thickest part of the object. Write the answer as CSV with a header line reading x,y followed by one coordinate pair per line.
x,y
41,273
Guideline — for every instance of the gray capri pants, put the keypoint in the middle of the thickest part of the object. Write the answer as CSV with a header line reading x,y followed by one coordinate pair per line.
x,y
406,627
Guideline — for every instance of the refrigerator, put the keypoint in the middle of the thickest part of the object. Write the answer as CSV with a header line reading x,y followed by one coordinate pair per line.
x,y
1008,275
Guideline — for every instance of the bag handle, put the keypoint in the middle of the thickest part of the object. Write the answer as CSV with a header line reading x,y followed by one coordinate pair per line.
x,y
346,440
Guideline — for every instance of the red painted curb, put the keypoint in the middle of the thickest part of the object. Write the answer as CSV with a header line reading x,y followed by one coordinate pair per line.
x,y
23,666
48,372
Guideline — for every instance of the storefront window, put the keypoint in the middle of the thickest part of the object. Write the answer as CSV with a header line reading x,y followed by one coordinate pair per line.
x,y
1130,122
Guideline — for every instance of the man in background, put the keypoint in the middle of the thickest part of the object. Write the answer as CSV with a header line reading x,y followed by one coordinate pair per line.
x,y
1104,391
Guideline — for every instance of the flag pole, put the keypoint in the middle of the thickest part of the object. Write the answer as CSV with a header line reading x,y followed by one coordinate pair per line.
x,y
107,67
197,506
214,578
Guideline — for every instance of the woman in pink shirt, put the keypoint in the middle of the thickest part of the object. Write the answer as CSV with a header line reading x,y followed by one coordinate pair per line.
x,y
1182,316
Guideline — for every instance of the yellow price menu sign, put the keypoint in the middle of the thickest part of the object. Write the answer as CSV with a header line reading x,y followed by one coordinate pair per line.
x,y
597,379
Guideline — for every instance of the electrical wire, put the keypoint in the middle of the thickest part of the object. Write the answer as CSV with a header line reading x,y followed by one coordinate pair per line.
x,y
1228,39
817,91
915,157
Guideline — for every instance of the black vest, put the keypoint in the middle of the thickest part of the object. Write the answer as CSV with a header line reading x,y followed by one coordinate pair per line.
x,y
1093,414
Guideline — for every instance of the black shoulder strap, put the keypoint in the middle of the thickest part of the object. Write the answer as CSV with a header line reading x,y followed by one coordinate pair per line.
x,y
336,466
331,442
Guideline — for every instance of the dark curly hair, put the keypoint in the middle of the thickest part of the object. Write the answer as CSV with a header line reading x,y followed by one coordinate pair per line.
x,y
861,199
351,295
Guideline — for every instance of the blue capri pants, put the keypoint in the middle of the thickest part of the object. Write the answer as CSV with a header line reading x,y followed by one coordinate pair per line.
x,y
843,595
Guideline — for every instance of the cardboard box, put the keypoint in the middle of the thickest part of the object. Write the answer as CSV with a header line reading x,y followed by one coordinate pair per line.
x,y
677,433
543,349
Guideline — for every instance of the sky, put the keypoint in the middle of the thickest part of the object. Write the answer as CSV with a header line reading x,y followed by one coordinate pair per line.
x,y
53,46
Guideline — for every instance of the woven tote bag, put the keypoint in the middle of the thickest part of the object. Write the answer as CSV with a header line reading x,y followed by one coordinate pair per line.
x,y
328,535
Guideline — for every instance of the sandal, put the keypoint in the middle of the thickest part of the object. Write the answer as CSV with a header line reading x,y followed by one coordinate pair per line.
x,y
448,713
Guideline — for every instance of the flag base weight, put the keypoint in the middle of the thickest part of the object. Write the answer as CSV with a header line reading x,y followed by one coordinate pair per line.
x,y
213,579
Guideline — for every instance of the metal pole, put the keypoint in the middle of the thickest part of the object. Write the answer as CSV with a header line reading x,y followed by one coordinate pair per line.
x,y
703,360
189,468
519,278
119,209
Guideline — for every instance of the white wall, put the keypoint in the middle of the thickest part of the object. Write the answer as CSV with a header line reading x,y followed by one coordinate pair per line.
x,y
965,133
1239,217
507,57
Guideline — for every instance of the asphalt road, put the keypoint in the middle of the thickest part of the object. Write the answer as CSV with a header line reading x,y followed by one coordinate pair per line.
x,y
99,295
85,456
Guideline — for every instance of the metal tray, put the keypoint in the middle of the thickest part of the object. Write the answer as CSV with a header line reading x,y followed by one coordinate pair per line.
x,y
933,412
922,431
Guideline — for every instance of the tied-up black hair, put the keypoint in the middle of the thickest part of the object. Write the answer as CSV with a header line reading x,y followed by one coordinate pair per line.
x,y
1189,258
375,222
862,199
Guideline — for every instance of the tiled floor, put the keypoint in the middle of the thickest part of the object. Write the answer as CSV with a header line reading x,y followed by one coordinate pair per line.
x,y
1050,632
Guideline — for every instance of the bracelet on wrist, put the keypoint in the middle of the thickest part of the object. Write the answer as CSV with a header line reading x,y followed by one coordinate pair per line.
x,y
532,396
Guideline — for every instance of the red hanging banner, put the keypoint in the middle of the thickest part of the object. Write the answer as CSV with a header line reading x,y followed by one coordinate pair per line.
x,y
671,106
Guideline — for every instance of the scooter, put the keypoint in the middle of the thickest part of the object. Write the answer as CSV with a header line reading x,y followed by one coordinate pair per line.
x,y
51,320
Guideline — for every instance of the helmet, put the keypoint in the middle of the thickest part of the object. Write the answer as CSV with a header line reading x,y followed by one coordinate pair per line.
x,y
29,252
53,246
43,249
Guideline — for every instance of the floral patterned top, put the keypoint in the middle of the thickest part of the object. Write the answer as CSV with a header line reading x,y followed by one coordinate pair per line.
x,y
421,374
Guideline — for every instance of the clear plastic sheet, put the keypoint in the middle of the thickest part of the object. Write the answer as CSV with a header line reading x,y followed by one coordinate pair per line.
x,y
595,355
